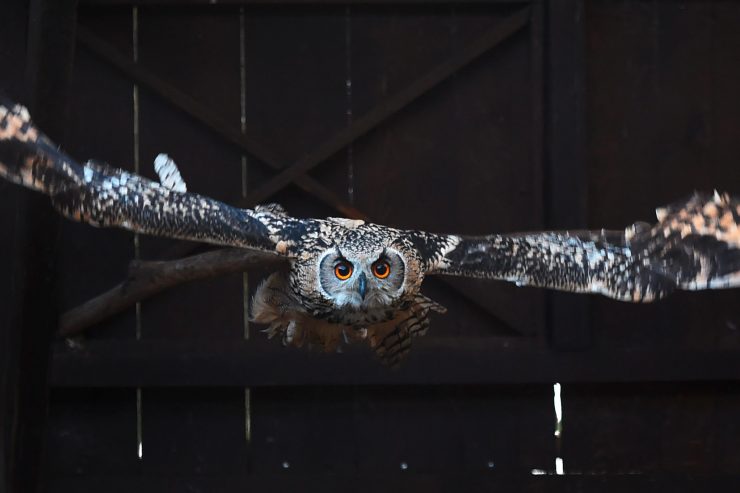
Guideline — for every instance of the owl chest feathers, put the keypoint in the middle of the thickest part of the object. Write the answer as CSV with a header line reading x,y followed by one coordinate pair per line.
x,y
388,330
275,299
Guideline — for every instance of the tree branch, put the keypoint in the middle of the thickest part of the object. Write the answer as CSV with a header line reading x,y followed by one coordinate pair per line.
x,y
147,278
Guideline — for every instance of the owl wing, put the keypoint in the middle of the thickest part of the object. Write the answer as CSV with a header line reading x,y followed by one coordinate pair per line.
x,y
104,196
694,245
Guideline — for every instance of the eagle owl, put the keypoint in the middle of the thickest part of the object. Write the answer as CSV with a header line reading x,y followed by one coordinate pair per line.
x,y
346,280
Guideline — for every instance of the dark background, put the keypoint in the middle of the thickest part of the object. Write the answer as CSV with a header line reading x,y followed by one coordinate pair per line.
x,y
468,117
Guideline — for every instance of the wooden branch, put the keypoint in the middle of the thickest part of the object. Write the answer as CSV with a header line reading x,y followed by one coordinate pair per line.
x,y
147,278
469,360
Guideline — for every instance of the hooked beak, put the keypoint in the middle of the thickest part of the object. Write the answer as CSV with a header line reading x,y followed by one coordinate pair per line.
x,y
362,285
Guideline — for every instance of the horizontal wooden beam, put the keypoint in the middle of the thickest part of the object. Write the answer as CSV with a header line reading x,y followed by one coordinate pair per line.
x,y
479,361
296,2
406,481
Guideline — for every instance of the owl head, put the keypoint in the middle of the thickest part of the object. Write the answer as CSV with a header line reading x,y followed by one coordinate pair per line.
x,y
363,270
362,280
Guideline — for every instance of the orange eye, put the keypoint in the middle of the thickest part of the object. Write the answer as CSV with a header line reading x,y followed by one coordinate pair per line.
x,y
381,269
343,271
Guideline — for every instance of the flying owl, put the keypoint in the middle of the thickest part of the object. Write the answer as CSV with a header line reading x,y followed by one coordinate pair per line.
x,y
348,280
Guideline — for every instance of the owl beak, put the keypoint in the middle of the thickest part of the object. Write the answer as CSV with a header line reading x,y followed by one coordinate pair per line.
x,y
362,285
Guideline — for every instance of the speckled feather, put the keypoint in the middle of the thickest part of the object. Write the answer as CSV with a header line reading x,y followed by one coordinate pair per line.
x,y
104,196
694,245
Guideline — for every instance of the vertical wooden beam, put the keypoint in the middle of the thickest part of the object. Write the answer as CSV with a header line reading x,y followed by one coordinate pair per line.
x,y
9,195
51,43
32,319
13,21
566,180
537,64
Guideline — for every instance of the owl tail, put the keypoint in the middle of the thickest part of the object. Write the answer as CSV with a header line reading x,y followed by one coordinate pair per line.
x,y
393,348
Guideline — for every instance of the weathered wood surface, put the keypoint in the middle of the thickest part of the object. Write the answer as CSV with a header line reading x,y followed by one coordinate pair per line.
x,y
469,156
434,361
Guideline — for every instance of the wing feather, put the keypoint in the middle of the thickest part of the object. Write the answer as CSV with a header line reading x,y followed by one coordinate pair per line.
x,y
694,245
100,195
696,242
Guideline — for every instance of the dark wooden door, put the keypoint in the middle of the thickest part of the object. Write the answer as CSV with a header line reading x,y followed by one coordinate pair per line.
x,y
469,117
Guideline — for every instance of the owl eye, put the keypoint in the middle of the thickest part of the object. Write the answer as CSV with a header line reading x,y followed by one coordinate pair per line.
x,y
343,270
381,269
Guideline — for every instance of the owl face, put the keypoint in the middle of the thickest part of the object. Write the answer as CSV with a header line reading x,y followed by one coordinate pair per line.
x,y
362,281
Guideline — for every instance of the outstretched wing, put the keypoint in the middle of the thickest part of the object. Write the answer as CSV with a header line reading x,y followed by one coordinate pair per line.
x,y
694,245
106,196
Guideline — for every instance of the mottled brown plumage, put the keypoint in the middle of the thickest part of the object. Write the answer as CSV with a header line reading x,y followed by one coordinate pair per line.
x,y
347,280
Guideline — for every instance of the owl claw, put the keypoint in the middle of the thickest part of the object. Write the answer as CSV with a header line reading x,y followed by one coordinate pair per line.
x,y
290,333
272,329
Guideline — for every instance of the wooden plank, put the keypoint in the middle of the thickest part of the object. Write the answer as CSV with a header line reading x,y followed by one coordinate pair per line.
x,y
295,2
460,159
302,430
95,430
566,182
211,42
196,431
432,362
92,431
538,43
93,259
294,64
475,429
391,105
231,133
32,307
13,39
660,125
361,126
255,146
645,429
295,98
401,84
193,431
432,483
51,46
724,428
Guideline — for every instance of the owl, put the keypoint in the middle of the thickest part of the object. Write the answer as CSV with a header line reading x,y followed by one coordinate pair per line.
x,y
350,281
